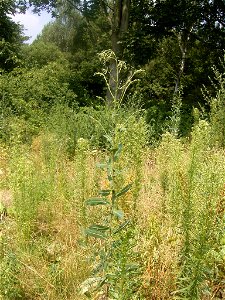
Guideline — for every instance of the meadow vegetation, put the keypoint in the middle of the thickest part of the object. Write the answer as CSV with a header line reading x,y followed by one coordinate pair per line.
x,y
112,165
94,206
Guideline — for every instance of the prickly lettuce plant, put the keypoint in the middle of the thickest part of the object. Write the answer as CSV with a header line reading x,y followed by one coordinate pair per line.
x,y
114,240
121,80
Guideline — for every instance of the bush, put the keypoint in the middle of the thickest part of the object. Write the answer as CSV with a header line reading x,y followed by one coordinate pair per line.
x,y
26,97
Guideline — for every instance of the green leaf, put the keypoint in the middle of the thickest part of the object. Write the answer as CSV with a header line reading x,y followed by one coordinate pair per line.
x,y
118,213
87,294
122,226
99,227
96,201
118,152
124,190
104,192
95,233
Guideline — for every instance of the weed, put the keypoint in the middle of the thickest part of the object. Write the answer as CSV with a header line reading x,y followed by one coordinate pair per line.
x,y
114,255
122,78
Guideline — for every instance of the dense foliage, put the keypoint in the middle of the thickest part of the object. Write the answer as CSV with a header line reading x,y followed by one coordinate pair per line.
x,y
177,44
10,37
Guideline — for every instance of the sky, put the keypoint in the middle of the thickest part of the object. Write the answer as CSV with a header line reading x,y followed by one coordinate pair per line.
x,y
33,23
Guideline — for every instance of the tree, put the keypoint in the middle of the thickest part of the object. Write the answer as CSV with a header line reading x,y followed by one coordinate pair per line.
x,y
116,13
10,36
71,34
40,54
190,21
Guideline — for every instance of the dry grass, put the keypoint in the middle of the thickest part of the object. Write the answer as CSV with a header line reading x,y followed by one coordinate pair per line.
x,y
53,260
159,242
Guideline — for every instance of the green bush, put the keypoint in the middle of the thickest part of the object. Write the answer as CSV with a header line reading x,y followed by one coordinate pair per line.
x,y
26,97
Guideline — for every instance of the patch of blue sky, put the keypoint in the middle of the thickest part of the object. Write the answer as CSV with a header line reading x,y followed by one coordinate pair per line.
x,y
33,23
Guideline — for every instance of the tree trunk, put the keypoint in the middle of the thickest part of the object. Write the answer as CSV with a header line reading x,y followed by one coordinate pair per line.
x,y
119,26
183,49
183,39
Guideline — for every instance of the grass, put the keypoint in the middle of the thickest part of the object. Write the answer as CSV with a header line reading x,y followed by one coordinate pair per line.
x,y
177,202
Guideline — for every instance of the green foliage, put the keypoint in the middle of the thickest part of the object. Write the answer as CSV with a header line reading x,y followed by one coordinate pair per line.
x,y
157,118
166,117
40,54
9,56
178,49
71,32
10,37
175,119
27,89
76,38
81,161
27,95
132,132
23,178
84,82
10,287
95,125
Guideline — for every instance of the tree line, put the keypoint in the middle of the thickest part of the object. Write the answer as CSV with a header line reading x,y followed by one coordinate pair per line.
x,y
176,43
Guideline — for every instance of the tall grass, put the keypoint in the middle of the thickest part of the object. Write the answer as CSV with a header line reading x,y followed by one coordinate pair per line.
x,y
178,235
192,180
45,225
43,254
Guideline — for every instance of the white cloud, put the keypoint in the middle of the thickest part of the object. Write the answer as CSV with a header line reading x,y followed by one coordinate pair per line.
x,y
33,23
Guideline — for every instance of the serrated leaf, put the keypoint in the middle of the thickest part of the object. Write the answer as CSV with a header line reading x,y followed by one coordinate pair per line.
x,y
104,192
95,233
118,213
122,226
118,152
96,201
124,190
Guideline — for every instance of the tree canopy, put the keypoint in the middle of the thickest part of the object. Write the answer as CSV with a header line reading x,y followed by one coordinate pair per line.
x,y
176,42
10,36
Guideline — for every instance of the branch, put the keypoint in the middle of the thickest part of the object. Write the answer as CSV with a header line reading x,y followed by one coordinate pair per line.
x,y
75,6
